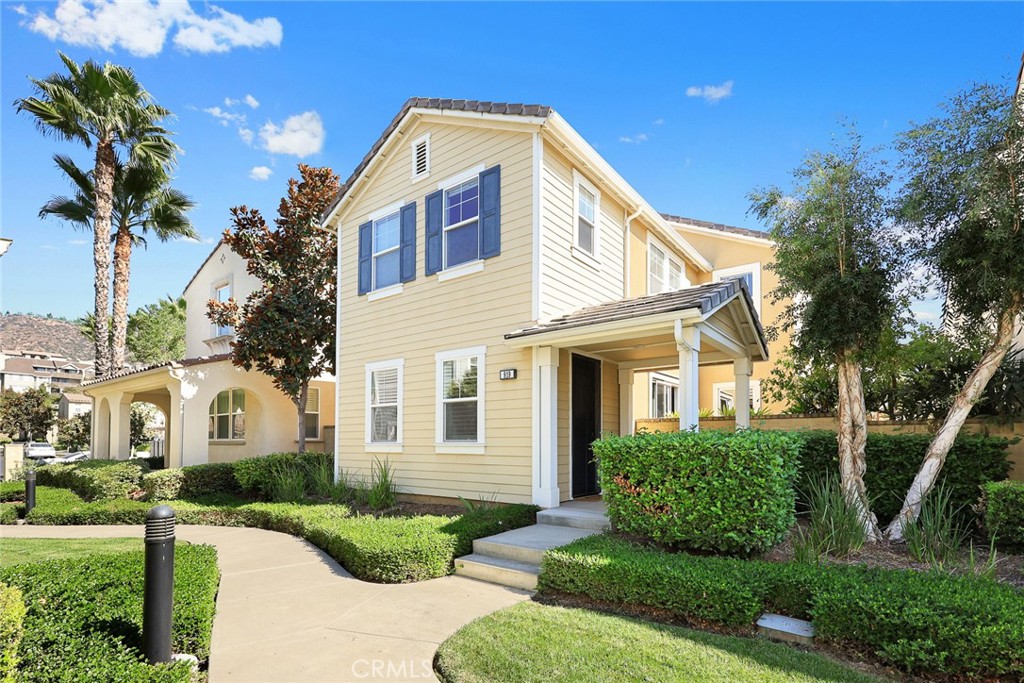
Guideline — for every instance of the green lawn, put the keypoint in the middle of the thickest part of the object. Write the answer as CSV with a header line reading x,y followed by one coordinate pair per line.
x,y
537,643
22,550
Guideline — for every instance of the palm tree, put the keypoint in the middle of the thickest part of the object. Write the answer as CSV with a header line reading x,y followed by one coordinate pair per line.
x,y
142,203
106,107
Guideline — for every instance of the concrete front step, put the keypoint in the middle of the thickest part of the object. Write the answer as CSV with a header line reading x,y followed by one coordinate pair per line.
x,y
577,516
528,543
498,570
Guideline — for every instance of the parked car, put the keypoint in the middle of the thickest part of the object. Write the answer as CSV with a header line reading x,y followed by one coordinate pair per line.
x,y
40,451
70,457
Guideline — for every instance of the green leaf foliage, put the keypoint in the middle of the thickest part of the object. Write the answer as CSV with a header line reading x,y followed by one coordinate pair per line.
x,y
73,432
1003,512
12,616
893,461
713,490
84,618
94,479
156,332
27,414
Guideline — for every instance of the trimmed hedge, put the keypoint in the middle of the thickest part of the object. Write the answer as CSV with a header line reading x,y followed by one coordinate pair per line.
x,y
712,490
191,482
12,616
8,513
84,619
94,479
894,459
1003,511
918,621
379,549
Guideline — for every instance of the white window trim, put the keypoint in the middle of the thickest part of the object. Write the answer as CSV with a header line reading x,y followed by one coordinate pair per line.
x,y
669,256
445,185
372,446
660,378
229,282
589,258
716,393
390,290
468,447
416,177
459,178
467,268
386,212
755,271
317,412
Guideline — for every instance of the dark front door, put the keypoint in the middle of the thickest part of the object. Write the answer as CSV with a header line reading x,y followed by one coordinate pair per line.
x,y
586,423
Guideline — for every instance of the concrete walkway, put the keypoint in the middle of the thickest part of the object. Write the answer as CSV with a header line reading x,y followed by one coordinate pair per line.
x,y
288,612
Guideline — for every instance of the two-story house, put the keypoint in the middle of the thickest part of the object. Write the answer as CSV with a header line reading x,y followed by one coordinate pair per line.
x,y
500,289
214,411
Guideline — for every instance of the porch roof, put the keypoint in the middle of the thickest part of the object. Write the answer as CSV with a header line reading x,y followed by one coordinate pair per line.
x,y
171,364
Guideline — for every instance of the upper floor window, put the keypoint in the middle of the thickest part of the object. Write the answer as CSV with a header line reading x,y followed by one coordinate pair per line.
x,y
222,293
421,157
665,273
588,201
750,273
461,233
386,262
227,416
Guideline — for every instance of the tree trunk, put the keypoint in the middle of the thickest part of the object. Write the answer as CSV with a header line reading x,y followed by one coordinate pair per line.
x,y
104,175
122,270
852,437
300,406
938,449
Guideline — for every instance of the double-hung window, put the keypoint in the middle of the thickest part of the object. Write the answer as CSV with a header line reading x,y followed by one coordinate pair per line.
x,y
664,395
221,294
665,273
384,403
588,202
313,413
461,231
386,257
460,398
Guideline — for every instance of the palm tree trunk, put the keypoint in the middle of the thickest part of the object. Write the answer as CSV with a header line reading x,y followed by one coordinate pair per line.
x,y
122,268
104,174
300,406
852,438
938,449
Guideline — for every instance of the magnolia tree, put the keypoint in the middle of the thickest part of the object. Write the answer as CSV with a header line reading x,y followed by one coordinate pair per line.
x,y
839,265
964,201
286,329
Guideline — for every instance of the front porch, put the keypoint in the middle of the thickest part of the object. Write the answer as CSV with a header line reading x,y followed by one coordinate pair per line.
x,y
684,330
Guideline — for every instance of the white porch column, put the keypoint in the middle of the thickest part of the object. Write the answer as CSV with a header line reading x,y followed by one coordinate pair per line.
x,y
741,368
173,431
545,449
688,345
627,425
120,426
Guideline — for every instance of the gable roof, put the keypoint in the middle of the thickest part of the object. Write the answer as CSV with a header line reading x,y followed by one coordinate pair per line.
x,y
721,227
202,265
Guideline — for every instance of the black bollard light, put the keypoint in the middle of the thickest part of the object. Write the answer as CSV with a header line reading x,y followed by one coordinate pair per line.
x,y
158,599
30,490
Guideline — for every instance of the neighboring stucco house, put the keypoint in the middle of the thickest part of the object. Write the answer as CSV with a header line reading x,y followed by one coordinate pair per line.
x,y
496,303
71,405
24,370
214,412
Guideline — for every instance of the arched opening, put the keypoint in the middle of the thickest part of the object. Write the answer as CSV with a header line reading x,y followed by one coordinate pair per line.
x,y
227,416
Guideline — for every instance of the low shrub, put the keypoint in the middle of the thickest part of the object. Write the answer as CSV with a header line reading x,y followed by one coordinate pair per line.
x,y
712,490
11,491
258,477
94,479
191,482
12,614
930,622
8,513
1002,508
379,549
894,459
84,618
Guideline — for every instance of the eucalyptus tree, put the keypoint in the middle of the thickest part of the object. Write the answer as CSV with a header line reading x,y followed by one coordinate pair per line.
x,y
143,204
106,108
840,266
963,200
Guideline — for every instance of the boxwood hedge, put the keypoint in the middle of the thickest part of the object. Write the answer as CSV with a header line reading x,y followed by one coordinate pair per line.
x,y
712,490
12,614
191,482
84,617
94,479
930,622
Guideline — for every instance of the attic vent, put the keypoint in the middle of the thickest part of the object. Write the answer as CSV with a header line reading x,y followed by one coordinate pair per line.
x,y
421,157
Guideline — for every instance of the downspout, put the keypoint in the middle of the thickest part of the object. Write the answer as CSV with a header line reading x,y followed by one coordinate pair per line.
x,y
625,251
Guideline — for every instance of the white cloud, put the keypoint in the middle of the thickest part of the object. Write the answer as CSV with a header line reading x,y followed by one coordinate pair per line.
x,y
712,94
246,135
225,117
193,240
252,101
228,102
260,173
142,27
20,9
634,139
658,122
925,316
299,135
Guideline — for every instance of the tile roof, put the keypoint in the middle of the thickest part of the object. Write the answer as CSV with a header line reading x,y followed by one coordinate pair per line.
x,y
721,227
77,398
477,106
187,362
705,298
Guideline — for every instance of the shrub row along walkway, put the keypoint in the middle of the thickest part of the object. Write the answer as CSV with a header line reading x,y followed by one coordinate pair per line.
x,y
288,612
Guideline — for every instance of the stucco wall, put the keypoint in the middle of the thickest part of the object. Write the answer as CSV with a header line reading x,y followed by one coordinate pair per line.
x,y
224,265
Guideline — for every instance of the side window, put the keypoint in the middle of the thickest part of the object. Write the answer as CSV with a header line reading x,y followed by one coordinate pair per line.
x,y
385,251
222,293
227,416
587,211
665,272
313,413
384,402
750,273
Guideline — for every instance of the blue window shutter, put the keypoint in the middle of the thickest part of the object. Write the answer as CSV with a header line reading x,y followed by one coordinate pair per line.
x,y
490,212
408,248
434,207
365,257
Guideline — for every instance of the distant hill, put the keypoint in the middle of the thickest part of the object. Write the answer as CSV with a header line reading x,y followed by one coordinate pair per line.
x,y
22,332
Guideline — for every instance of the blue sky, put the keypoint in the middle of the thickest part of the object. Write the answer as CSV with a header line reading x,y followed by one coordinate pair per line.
x,y
327,77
